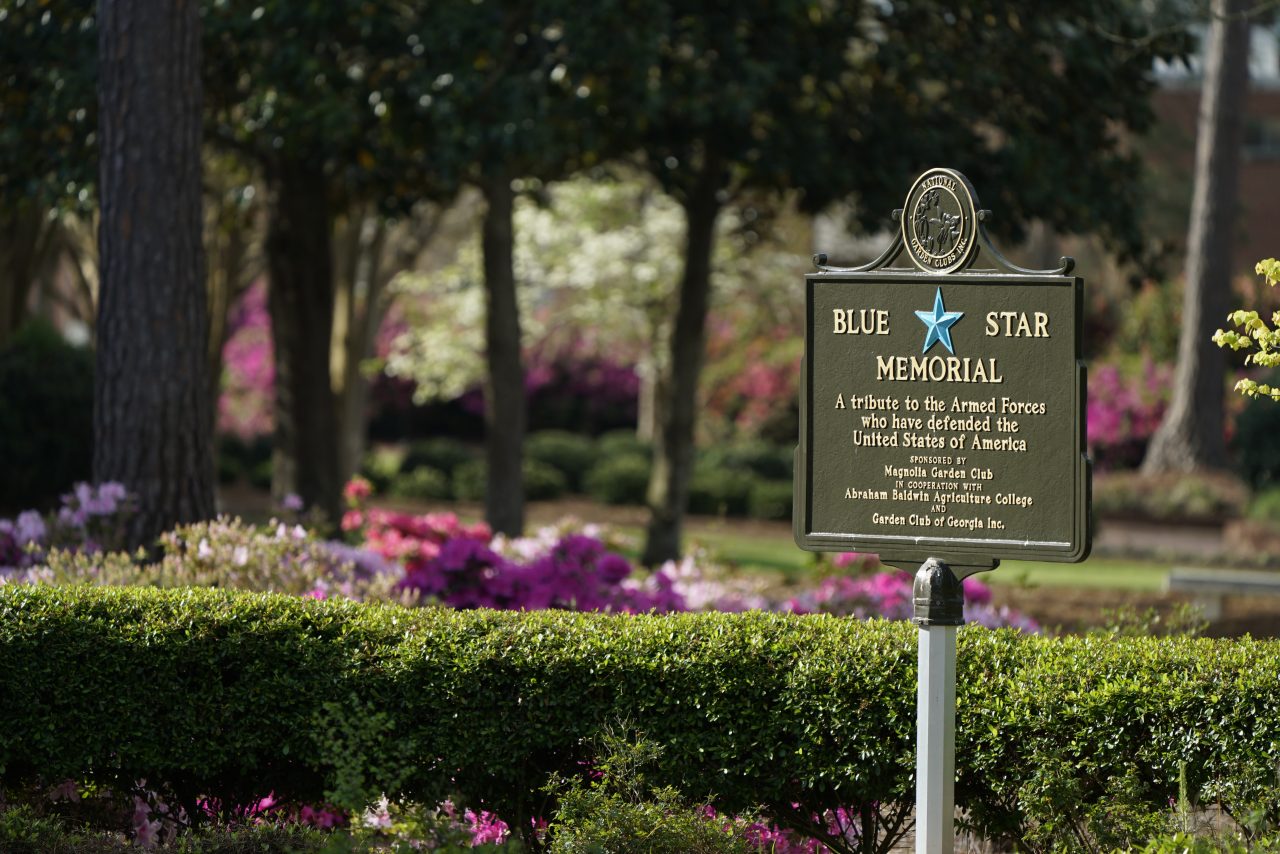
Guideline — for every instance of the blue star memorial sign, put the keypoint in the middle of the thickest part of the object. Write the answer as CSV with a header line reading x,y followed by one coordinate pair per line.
x,y
938,322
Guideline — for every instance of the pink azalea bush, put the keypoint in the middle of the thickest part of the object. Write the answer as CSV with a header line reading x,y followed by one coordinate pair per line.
x,y
464,566
1123,411
574,377
839,823
888,595
245,405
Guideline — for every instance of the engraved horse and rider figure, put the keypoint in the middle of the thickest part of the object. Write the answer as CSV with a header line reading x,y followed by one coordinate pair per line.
x,y
935,228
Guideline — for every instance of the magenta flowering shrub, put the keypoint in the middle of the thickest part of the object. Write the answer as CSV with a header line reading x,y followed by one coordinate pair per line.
x,y
1124,410
885,594
444,827
571,567
89,520
485,828
751,383
576,573
465,566
572,384
576,382
155,822
464,573
856,561
840,823
407,539
888,595
248,368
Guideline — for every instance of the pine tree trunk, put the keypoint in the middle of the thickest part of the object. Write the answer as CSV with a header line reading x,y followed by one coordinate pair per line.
x,y
504,402
151,406
301,297
674,443
1190,436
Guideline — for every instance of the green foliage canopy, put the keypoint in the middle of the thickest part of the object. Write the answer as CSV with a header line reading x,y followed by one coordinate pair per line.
x,y
48,102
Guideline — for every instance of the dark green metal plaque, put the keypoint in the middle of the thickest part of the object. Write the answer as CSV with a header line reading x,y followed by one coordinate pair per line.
x,y
942,405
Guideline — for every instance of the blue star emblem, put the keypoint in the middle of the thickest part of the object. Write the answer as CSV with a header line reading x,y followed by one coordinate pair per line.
x,y
938,322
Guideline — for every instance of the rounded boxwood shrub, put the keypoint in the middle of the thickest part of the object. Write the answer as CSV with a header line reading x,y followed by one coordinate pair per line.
x,y
381,465
619,480
541,481
424,483
469,480
239,458
229,469
1265,506
719,491
570,454
770,499
441,454
622,443
260,475
760,458
46,417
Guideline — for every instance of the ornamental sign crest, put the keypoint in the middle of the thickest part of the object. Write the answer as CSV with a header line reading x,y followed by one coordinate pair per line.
x,y
939,221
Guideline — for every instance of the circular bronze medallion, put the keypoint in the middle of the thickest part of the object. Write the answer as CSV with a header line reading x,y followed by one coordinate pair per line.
x,y
940,221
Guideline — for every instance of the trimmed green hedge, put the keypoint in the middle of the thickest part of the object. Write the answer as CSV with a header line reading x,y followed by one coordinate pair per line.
x,y
423,483
235,694
619,480
541,481
720,491
568,453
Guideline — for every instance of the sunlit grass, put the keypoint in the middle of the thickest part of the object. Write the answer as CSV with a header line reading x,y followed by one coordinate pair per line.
x,y
1097,573
778,553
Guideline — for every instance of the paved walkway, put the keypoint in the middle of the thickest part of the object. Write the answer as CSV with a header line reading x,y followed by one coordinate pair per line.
x,y
1183,541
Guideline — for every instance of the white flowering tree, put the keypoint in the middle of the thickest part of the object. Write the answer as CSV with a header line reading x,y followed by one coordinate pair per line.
x,y
595,259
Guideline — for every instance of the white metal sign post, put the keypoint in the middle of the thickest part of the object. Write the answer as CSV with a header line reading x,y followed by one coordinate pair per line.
x,y
939,610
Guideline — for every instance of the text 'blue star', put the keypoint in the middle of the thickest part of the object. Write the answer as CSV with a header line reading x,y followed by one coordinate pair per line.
x,y
938,323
